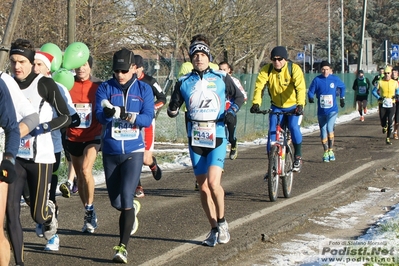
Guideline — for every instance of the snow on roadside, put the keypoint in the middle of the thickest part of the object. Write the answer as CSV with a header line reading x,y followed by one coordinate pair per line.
x,y
304,250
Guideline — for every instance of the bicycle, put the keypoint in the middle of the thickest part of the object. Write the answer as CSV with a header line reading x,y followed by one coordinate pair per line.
x,y
281,159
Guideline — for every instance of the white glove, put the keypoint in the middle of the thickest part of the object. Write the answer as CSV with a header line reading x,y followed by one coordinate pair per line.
x,y
117,112
106,103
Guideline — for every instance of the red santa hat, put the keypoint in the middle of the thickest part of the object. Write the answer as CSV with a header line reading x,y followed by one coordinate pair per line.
x,y
45,57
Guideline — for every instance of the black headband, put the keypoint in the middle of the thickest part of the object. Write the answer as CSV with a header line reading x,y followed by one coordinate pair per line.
x,y
197,47
24,52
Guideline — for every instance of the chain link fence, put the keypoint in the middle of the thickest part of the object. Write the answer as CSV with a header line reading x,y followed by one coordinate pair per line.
x,y
249,126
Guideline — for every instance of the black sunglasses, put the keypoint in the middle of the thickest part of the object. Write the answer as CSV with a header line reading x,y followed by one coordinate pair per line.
x,y
387,73
121,71
277,59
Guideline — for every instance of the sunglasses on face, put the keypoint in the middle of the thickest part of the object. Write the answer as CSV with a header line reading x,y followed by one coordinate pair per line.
x,y
121,71
277,59
387,73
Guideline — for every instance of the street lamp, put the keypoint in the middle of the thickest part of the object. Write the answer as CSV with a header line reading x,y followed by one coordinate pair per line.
x,y
342,37
304,59
329,34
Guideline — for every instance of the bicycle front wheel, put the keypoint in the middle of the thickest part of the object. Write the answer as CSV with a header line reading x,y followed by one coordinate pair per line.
x,y
273,173
289,174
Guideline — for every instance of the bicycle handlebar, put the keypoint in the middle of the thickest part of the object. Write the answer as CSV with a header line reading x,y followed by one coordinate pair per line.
x,y
270,111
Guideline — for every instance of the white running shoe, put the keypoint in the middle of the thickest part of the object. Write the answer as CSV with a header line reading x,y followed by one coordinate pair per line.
x,y
38,230
49,229
121,254
224,235
53,244
137,207
212,239
90,222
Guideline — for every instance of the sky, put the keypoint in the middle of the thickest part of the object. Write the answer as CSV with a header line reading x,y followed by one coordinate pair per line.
x,y
305,249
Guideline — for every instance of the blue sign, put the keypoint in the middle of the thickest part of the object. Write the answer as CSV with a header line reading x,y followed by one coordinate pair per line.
x,y
395,55
300,56
395,47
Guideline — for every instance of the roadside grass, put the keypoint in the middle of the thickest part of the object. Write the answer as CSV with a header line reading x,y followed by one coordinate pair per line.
x,y
391,226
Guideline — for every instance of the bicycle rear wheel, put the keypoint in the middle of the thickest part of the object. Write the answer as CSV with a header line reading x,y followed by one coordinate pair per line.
x,y
273,179
289,174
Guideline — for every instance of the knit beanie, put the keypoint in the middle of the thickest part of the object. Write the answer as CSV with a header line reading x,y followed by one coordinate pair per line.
x,y
279,51
324,63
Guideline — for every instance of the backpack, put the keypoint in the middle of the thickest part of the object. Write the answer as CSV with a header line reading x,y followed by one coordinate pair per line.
x,y
270,71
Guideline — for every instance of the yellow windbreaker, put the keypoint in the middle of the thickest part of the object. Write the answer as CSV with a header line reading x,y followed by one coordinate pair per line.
x,y
285,91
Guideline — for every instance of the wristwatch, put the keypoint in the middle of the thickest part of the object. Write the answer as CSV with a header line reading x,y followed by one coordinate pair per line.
x,y
45,127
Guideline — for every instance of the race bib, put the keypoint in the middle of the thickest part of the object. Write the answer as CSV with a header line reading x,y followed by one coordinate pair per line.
x,y
124,130
203,134
387,103
25,149
85,114
326,101
362,90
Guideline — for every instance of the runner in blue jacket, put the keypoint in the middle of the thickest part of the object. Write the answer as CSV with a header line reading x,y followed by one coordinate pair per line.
x,y
124,105
327,87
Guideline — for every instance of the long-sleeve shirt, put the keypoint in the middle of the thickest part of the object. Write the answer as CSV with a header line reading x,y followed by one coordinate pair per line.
x,y
156,89
326,90
386,89
205,95
285,91
8,121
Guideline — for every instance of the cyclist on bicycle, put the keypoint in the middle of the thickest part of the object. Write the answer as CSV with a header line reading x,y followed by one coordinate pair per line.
x,y
287,90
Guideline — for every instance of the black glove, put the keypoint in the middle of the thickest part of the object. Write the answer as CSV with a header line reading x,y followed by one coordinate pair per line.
x,y
123,114
311,100
108,112
75,120
342,102
299,110
254,109
230,118
380,100
7,171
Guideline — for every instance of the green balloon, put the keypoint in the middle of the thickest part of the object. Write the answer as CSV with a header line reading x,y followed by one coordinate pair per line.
x,y
65,77
76,55
56,52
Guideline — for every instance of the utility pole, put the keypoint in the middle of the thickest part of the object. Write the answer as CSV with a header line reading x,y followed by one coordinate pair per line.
x,y
342,38
71,21
9,32
329,34
278,15
359,63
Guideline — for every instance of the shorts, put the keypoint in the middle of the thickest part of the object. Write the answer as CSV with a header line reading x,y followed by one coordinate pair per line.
x,y
203,158
76,148
361,98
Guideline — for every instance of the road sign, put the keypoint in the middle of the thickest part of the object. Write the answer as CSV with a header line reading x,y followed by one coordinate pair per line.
x,y
395,47
300,56
395,55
